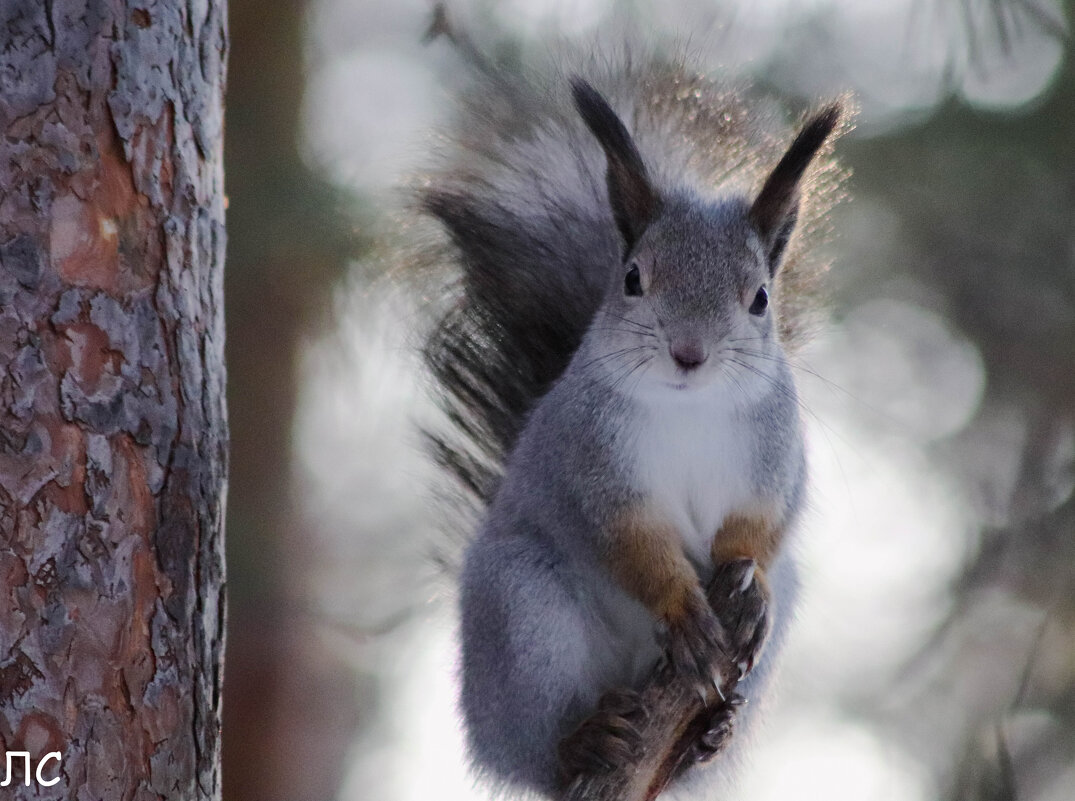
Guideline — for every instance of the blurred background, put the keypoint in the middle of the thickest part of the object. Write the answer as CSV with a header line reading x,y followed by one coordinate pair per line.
x,y
934,657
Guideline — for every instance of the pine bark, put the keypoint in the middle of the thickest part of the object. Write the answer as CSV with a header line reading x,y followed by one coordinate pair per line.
x,y
112,420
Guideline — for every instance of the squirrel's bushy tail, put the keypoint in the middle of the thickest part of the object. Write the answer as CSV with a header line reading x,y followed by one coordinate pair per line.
x,y
527,235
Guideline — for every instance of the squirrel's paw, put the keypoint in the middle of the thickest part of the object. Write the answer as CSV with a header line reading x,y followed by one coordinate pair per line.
x,y
694,643
715,727
607,740
741,602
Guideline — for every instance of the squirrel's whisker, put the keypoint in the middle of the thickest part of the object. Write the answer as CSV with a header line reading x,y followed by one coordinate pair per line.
x,y
627,320
795,365
612,355
788,392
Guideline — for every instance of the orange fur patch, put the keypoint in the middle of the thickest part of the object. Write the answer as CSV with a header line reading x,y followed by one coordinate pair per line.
x,y
747,537
646,557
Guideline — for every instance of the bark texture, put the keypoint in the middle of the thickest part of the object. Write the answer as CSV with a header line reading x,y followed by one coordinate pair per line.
x,y
112,418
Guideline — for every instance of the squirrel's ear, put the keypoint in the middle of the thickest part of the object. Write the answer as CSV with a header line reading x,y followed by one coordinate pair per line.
x,y
633,199
776,209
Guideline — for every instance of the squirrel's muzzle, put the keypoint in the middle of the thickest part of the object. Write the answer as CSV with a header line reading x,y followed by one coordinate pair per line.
x,y
688,355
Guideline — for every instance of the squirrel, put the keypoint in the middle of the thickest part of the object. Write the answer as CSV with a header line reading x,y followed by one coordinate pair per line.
x,y
633,252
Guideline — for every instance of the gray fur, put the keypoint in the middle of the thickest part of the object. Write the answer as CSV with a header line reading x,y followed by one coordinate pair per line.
x,y
545,630
549,369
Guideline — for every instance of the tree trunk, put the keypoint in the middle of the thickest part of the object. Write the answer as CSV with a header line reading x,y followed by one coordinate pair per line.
x,y
112,420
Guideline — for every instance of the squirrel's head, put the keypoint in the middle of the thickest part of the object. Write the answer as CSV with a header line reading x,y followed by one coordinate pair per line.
x,y
692,293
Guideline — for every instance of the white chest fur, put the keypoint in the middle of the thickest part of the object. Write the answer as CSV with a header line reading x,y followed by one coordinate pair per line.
x,y
695,462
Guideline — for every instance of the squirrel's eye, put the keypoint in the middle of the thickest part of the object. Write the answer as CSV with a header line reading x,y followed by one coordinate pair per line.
x,y
761,302
632,284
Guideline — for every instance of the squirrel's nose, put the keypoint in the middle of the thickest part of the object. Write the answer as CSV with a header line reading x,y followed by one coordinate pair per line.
x,y
688,355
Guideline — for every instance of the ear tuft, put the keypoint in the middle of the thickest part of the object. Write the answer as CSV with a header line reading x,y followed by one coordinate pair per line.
x,y
633,199
776,209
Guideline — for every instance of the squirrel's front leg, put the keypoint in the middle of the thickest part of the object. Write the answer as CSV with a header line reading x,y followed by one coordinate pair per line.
x,y
646,557
742,551
739,595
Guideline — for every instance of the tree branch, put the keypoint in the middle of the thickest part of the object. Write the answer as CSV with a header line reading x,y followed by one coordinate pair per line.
x,y
673,723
